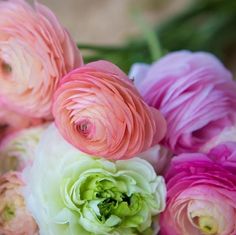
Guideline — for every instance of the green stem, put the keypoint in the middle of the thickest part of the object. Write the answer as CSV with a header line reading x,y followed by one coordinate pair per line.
x,y
152,39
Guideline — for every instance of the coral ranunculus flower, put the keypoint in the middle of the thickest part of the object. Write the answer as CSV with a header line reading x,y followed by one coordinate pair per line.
x,y
35,52
98,110
14,216
201,193
196,95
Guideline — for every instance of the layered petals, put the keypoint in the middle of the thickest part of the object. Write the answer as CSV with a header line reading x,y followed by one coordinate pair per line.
x,y
195,93
87,195
201,197
98,110
35,52
17,150
14,216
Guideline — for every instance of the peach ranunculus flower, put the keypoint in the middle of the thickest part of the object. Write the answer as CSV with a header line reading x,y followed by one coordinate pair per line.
x,y
98,110
35,52
14,216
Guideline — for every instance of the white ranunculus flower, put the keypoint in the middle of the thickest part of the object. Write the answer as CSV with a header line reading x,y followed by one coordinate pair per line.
x,y
18,149
69,192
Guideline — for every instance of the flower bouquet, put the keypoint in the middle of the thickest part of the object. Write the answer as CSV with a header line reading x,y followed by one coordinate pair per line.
x,y
86,149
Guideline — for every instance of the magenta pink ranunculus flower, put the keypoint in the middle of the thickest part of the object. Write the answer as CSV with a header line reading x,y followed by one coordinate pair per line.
x,y
35,52
14,216
195,93
98,110
201,198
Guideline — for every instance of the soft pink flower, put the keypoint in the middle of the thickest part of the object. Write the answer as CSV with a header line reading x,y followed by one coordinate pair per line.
x,y
14,217
98,110
201,197
195,93
35,52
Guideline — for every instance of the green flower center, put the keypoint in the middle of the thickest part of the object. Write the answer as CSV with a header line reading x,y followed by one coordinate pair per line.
x,y
110,200
111,197
8,213
207,225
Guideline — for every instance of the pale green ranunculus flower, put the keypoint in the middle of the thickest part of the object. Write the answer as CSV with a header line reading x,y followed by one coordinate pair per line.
x,y
69,192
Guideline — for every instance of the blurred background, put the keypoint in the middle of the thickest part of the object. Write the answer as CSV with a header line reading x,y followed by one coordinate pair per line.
x,y
128,31
110,22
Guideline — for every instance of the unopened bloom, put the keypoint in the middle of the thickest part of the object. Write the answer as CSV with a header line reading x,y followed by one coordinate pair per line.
x,y
35,52
196,95
99,111
14,216
85,195
201,198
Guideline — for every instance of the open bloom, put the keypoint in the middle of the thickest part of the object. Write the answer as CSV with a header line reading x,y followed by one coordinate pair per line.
x,y
17,150
195,93
14,217
84,195
98,110
35,52
201,198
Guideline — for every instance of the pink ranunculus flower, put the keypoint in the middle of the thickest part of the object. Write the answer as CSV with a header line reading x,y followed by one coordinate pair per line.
x,y
98,110
196,95
14,217
201,197
35,52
